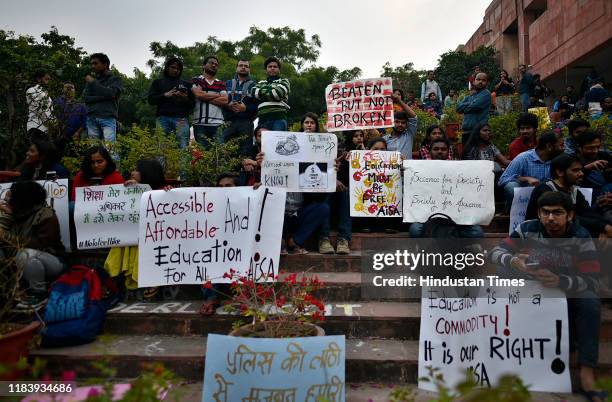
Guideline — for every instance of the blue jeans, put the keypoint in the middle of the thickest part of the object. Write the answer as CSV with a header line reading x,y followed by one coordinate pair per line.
x,y
178,125
307,221
274,125
584,313
509,192
345,223
205,134
102,128
464,231
525,101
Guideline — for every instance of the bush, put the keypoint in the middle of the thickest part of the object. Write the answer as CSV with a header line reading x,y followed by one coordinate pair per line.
x,y
503,129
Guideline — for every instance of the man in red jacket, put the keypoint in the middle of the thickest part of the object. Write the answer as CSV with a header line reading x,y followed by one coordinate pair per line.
x,y
527,125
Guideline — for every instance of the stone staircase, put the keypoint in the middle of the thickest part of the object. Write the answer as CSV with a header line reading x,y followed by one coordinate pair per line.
x,y
381,335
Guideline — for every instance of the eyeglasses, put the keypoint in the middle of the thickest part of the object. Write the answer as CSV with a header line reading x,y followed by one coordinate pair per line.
x,y
557,213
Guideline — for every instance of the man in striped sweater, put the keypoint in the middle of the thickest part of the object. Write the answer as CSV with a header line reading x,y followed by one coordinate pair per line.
x,y
211,96
272,95
559,253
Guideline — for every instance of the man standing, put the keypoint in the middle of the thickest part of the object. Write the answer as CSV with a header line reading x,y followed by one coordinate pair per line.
x,y
211,97
241,110
450,99
472,77
174,101
527,125
404,129
531,167
273,97
475,107
39,107
72,118
526,86
101,96
429,86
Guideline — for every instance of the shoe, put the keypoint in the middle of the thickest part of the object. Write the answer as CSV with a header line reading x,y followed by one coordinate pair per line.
x,y
390,231
325,247
343,247
32,301
366,230
150,294
297,250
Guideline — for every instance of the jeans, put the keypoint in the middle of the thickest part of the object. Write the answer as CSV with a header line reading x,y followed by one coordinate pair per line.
x,y
345,223
102,128
274,125
306,222
178,125
204,134
39,268
464,231
509,192
525,102
584,313
243,130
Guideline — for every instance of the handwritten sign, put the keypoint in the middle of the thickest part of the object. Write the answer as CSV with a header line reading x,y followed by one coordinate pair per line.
x,y
462,190
520,202
57,198
193,235
359,104
107,216
264,369
375,184
521,331
299,162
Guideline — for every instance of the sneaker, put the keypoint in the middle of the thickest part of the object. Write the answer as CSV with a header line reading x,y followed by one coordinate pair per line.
x,y
343,246
325,247
32,302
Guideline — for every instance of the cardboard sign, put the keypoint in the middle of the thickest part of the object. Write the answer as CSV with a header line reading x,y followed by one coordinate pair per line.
x,y
462,190
375,184
193,235
299,162
107,216
520,202
521,331
265,369
57,198
359,104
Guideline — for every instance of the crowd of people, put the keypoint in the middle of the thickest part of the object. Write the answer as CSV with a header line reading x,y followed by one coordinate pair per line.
x,y
214,109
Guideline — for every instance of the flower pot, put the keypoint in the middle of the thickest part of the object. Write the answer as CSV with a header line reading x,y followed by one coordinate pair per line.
x,y
451,130
14,346
286,329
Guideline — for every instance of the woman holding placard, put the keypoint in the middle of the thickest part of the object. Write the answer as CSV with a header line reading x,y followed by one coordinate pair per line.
x,y
97,168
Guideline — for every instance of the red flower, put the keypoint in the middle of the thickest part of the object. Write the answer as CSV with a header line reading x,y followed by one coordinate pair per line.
x,y
207,285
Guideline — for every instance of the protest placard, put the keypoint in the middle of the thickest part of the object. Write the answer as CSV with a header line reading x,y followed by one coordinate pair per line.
x,y
359,104
506,330
462,190
375,184
299,162
264,369
57,198
107,216
522,195
192,235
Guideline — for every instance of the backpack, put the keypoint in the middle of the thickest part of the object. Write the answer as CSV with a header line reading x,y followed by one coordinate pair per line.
x,y
440,226
77,306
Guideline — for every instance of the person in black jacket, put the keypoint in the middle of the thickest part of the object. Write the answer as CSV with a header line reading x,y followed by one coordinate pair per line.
x,y
101,96
567,173
174,101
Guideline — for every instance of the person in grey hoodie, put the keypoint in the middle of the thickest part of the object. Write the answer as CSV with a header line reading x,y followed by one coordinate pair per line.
x,y
101,96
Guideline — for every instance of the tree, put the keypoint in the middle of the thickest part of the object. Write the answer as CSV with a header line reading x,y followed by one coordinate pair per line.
x,y
455,67
405,77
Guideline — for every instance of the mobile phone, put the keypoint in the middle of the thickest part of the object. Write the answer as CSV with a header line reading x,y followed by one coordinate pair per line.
x,y
51,175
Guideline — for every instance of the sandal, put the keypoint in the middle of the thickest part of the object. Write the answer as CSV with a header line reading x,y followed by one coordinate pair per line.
x,y
209,307
591,395
297,250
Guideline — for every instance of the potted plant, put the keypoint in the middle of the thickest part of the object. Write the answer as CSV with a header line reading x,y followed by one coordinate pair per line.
x,y
452,121
278,307
15,338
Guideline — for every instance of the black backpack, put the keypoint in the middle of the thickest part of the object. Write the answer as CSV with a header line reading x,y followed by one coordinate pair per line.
x,y
440,226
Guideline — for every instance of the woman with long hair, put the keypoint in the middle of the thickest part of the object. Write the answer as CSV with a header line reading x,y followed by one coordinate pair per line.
x,y
41,157
480,147
97,168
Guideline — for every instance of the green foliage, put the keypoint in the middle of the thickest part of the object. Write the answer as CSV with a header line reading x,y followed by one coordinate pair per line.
x,y
426,119
204,165
503,130
405,77
454,67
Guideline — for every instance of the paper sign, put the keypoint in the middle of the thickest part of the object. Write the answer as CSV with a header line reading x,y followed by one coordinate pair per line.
x,y
462,190
359,104
193,235
521,331
107,216
520,202
57,198
264,369
299,162
375,184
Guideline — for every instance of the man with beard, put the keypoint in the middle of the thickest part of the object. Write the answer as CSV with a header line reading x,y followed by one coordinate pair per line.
x,y
174,101
567,176
211,97
531,167
475,107
527,125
